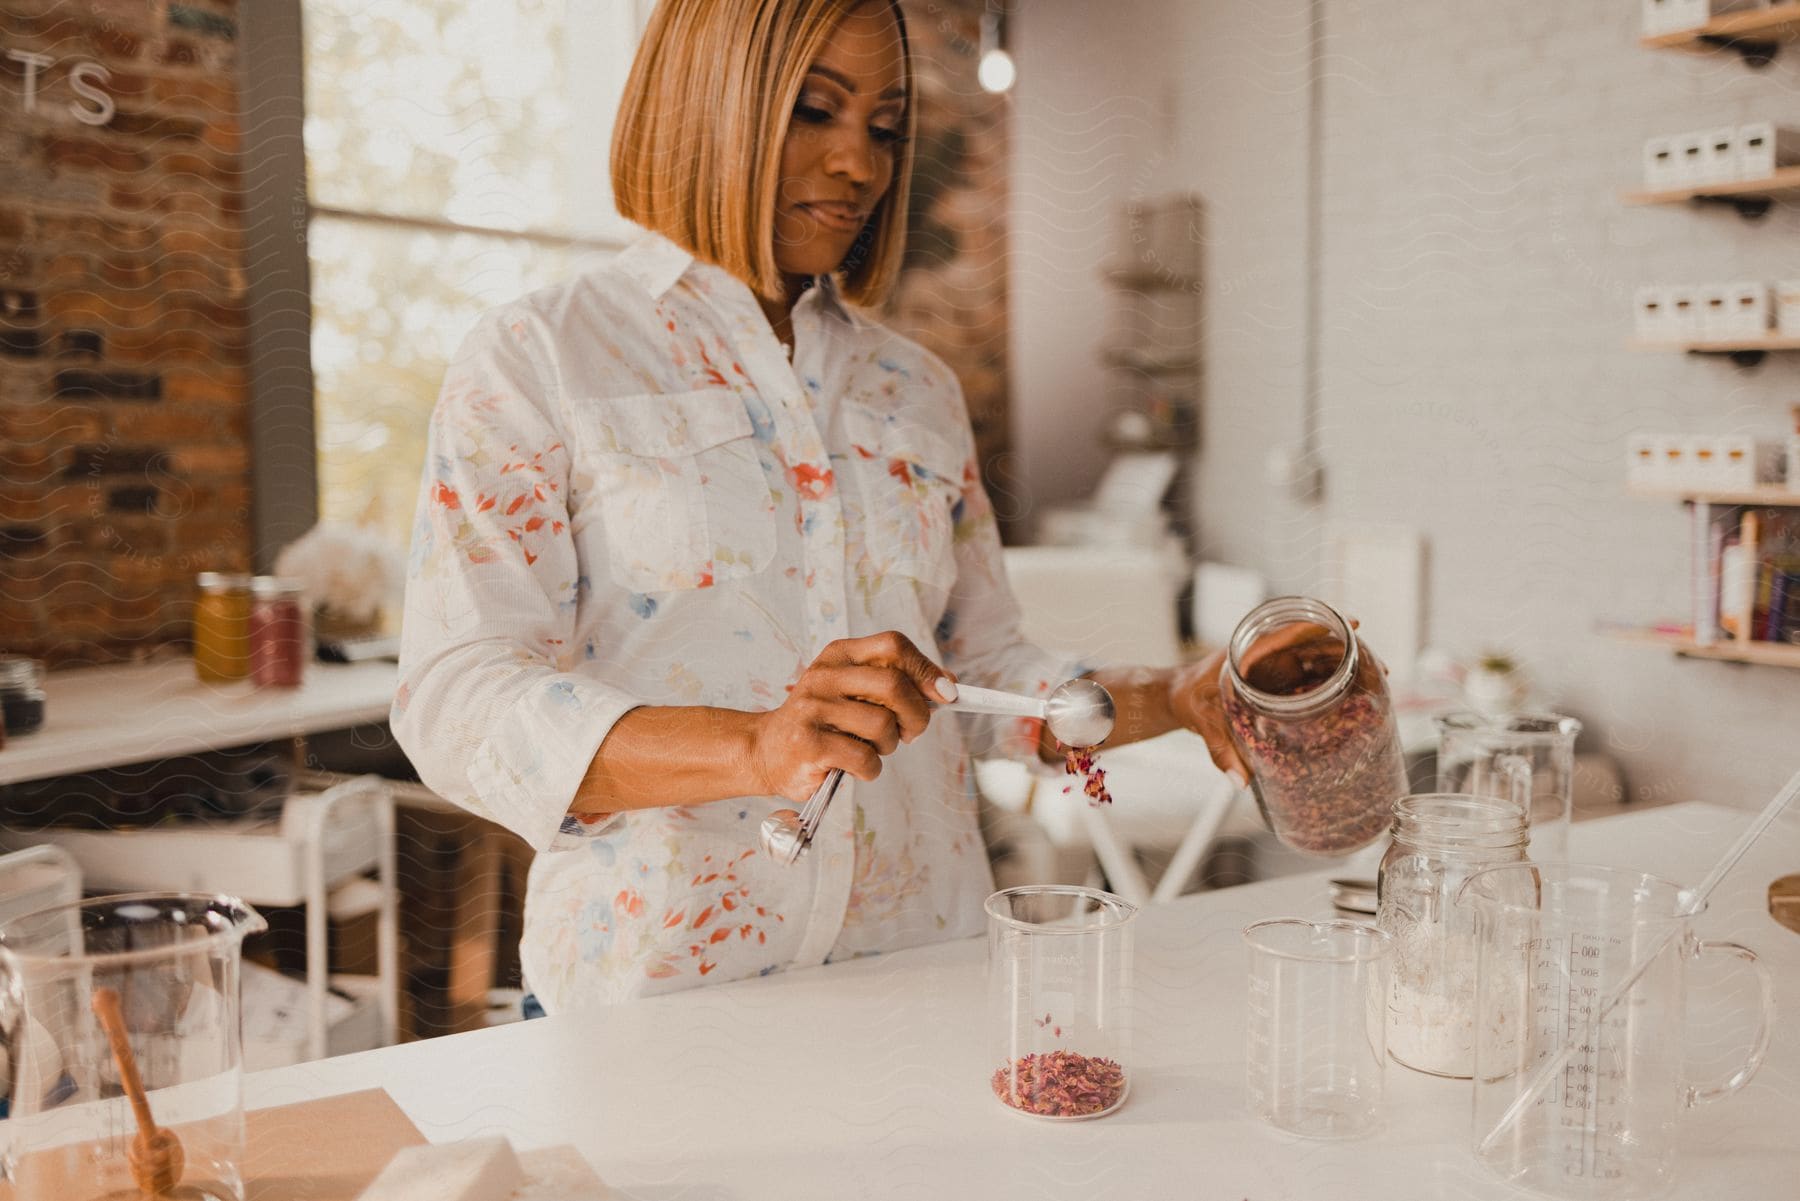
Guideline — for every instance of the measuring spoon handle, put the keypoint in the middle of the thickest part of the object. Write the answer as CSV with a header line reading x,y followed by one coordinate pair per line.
x,y
970,699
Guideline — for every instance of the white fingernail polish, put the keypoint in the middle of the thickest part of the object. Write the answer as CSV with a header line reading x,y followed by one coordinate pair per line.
x,y
946,688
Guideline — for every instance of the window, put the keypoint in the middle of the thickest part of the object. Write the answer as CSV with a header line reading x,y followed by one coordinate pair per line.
x,y
456,158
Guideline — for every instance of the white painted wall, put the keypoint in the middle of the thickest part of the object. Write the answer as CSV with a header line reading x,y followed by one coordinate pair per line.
x,y
1086,124
1476,273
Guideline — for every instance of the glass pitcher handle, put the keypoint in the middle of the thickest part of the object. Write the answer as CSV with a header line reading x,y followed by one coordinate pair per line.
x,y
1515,774
1695,1094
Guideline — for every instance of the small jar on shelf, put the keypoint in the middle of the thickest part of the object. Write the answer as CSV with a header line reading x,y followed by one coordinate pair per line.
x,y
279,638
222,627
22,706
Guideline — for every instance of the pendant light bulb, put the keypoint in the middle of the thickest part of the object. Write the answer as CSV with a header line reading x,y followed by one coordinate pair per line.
x,y
996,71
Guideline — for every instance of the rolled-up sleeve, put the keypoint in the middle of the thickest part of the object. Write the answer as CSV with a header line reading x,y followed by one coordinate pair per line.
x,y
979,633
488,708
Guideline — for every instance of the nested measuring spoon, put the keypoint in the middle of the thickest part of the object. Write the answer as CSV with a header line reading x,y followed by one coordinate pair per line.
x,y
1080,713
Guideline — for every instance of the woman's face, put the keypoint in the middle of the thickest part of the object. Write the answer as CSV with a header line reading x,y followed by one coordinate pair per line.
x,y
842,143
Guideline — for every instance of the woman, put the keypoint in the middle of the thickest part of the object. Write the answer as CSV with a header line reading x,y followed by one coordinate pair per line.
x,y
696,530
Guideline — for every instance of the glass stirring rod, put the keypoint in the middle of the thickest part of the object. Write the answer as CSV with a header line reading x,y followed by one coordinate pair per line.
x,y
1548,1070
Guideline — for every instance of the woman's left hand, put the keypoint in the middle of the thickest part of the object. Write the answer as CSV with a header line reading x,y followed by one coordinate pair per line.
x,y
1196,703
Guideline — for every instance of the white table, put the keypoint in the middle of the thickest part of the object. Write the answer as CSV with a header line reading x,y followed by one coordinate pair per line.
x,y
127,713
869,1079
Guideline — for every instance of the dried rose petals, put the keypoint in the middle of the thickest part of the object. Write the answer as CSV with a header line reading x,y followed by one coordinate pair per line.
x,y
1080,761
1326,780
1060,1084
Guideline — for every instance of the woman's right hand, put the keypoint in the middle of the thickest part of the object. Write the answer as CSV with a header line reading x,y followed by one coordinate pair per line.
x,y
859,700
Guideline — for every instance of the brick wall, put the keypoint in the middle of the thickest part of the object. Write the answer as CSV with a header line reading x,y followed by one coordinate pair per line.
x,y
952,295
123,352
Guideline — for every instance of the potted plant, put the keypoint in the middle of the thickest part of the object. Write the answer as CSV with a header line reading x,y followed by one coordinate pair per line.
x,y
1495,685
349,573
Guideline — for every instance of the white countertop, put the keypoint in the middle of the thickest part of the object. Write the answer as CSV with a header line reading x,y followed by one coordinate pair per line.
x,y
869,1079
99,717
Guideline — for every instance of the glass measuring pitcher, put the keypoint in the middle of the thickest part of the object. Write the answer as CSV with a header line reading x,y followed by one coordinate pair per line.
x,y
173,961
1532,752
1316,1049
1059,996
1556,944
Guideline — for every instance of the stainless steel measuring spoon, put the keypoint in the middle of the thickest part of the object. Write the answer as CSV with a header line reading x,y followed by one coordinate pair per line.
x,y
1080,713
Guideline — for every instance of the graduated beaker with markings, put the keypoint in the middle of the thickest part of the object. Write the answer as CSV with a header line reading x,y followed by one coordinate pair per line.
x,y
1584,969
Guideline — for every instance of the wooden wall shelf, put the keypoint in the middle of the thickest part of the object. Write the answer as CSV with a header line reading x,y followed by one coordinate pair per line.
x,y
1772,495
1139,280
1745,352
1723,346
1765,654
1134,360
1756,36
1751,197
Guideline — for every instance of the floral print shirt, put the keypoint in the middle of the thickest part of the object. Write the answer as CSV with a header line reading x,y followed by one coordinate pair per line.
x,y
633,497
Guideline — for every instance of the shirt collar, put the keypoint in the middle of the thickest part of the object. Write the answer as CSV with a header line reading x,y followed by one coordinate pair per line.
x,y
832,301
656,262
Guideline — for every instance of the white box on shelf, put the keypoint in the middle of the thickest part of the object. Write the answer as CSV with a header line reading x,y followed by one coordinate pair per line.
x,y
1690,159
1746,462
1693,471
1670,16
1672,458
1651,321
1642,468
277,1011
1659,163
1682,313
1721,164
1750,309
1703,458
1787,308
1714,304
1765,147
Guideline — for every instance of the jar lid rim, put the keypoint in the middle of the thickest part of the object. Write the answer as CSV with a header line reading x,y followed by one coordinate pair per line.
x,y
1292,610
1529,725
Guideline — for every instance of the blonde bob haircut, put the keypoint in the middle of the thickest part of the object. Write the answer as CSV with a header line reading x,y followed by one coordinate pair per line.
x,y
696,152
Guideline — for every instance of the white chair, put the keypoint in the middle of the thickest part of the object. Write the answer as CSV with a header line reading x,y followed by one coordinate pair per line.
x,y
1116,605
32,879
37,878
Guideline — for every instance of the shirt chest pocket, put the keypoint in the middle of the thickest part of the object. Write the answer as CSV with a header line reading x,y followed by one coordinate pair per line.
x,y
678,482
910,478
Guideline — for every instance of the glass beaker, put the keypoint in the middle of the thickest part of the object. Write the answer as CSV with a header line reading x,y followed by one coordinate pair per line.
x,y
173,960
1059,999
1556,943
1492,756
1316,1046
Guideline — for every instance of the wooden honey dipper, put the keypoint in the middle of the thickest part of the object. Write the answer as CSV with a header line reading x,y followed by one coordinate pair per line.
x,y
155,1154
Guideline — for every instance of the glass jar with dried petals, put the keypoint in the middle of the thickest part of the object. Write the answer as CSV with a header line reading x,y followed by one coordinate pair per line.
x,y
1059,999
1308,709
